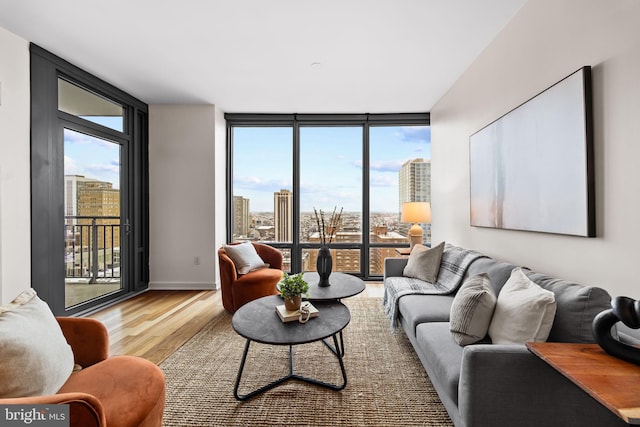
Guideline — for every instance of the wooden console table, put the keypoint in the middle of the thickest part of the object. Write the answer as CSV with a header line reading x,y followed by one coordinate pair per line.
x,y
611,381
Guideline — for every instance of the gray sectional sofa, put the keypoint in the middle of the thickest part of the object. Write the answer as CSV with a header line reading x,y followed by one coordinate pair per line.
x,y
483,384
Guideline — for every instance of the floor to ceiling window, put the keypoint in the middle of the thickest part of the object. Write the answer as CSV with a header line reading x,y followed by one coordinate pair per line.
x,y
284,168
89,186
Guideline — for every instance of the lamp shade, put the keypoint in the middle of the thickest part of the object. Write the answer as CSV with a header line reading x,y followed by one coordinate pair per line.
x,y
416,212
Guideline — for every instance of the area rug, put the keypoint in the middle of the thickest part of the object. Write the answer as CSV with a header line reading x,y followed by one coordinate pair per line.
x,y
386,384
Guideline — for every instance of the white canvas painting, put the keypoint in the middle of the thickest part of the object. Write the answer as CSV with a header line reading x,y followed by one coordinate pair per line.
x,y
529,170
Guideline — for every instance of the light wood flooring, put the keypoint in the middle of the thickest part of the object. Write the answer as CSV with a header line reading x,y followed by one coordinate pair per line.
x,y
156,323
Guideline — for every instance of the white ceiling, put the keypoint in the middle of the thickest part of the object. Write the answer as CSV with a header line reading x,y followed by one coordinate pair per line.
x,y
375,56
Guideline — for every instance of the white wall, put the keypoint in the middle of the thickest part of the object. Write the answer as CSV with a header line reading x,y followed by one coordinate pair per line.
x,y
15,228
546,41
183,183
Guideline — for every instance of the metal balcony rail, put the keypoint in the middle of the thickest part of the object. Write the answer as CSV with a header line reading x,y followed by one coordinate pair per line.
x,y
92,247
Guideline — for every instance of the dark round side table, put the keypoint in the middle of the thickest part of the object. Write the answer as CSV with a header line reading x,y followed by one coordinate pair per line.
x,y
342,286
258,321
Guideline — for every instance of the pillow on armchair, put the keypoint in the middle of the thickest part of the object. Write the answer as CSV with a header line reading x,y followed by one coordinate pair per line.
x,y
245,257
35,358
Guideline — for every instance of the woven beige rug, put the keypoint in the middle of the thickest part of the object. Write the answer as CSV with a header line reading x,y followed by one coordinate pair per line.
x,y
387,385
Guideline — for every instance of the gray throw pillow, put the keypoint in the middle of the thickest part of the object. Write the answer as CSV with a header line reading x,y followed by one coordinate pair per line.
x,y
472,310
424,263
245,257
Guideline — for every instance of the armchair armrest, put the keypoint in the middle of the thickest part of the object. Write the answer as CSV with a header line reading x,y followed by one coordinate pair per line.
x,y
509,385
393,267
88,338
85,409
270,255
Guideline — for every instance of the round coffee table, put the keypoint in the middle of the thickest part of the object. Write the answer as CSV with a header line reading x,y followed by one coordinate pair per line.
x,y
342,286
258,321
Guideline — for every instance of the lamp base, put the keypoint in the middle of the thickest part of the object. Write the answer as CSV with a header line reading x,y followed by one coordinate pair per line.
x,y
415,235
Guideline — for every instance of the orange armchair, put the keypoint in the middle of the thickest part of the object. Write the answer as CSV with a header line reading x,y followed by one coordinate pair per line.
x,y
239,289
119,391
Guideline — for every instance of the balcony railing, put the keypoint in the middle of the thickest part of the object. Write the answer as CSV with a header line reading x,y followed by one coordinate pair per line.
x,y
92,247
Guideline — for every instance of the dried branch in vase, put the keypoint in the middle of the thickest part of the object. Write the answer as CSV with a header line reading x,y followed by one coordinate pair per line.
x,y
331,229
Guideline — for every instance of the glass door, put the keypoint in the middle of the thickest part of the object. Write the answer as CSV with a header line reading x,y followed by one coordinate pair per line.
x,y
93,221
96,219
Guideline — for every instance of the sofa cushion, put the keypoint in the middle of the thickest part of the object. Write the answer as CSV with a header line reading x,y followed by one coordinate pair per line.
x,y
472,310
577,305
499,272
245,257
424,263
524,311
416,309
442,355
35,358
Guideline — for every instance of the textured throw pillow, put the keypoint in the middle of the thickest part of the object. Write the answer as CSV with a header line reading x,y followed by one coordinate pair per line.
x,y
524,311
472,310
424,263
35,358
245,257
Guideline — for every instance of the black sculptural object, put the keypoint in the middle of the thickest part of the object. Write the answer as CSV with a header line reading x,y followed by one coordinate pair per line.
x,y
627,311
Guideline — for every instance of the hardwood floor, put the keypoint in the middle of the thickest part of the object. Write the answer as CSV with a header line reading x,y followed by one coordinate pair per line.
x,y
156,323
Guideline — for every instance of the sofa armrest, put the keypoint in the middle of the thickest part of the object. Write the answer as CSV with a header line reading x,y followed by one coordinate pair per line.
x,y
85,409
509,385
88,338
393,267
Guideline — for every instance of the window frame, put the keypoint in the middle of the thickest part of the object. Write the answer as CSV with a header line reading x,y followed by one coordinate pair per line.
x,y
296,121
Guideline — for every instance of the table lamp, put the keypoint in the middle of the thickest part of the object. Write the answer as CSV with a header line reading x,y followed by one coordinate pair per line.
x,y
417,213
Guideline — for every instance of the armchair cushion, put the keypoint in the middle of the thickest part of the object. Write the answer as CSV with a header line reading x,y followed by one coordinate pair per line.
x,y
130,390
35,358
245,257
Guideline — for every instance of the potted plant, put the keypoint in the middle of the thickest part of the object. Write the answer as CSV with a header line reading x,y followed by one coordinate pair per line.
x,y
292,287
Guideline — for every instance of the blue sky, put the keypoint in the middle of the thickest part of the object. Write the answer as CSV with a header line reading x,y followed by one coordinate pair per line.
x,y
92,157
330,165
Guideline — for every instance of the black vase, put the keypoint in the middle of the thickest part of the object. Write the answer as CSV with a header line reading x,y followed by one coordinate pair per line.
x,y
324,264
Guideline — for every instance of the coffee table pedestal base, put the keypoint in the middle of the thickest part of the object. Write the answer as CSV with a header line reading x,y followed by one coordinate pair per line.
x,y
338,352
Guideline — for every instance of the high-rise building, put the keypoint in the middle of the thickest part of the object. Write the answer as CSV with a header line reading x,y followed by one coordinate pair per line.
x,y
283,215
98,201
92,226
240,217
415,181
71,185
415,186
381,234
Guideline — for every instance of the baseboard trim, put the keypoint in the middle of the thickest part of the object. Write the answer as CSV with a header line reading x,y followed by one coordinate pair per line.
x,y
182,286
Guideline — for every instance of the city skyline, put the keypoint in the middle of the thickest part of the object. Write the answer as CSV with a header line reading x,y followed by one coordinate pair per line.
x,y
263,165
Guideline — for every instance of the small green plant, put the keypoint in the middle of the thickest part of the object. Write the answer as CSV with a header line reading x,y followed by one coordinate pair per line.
x,y
293,285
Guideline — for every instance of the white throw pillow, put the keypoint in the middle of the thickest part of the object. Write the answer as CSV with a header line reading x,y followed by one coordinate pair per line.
x,y
524,311
245,257
472,310
424,263
35,358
